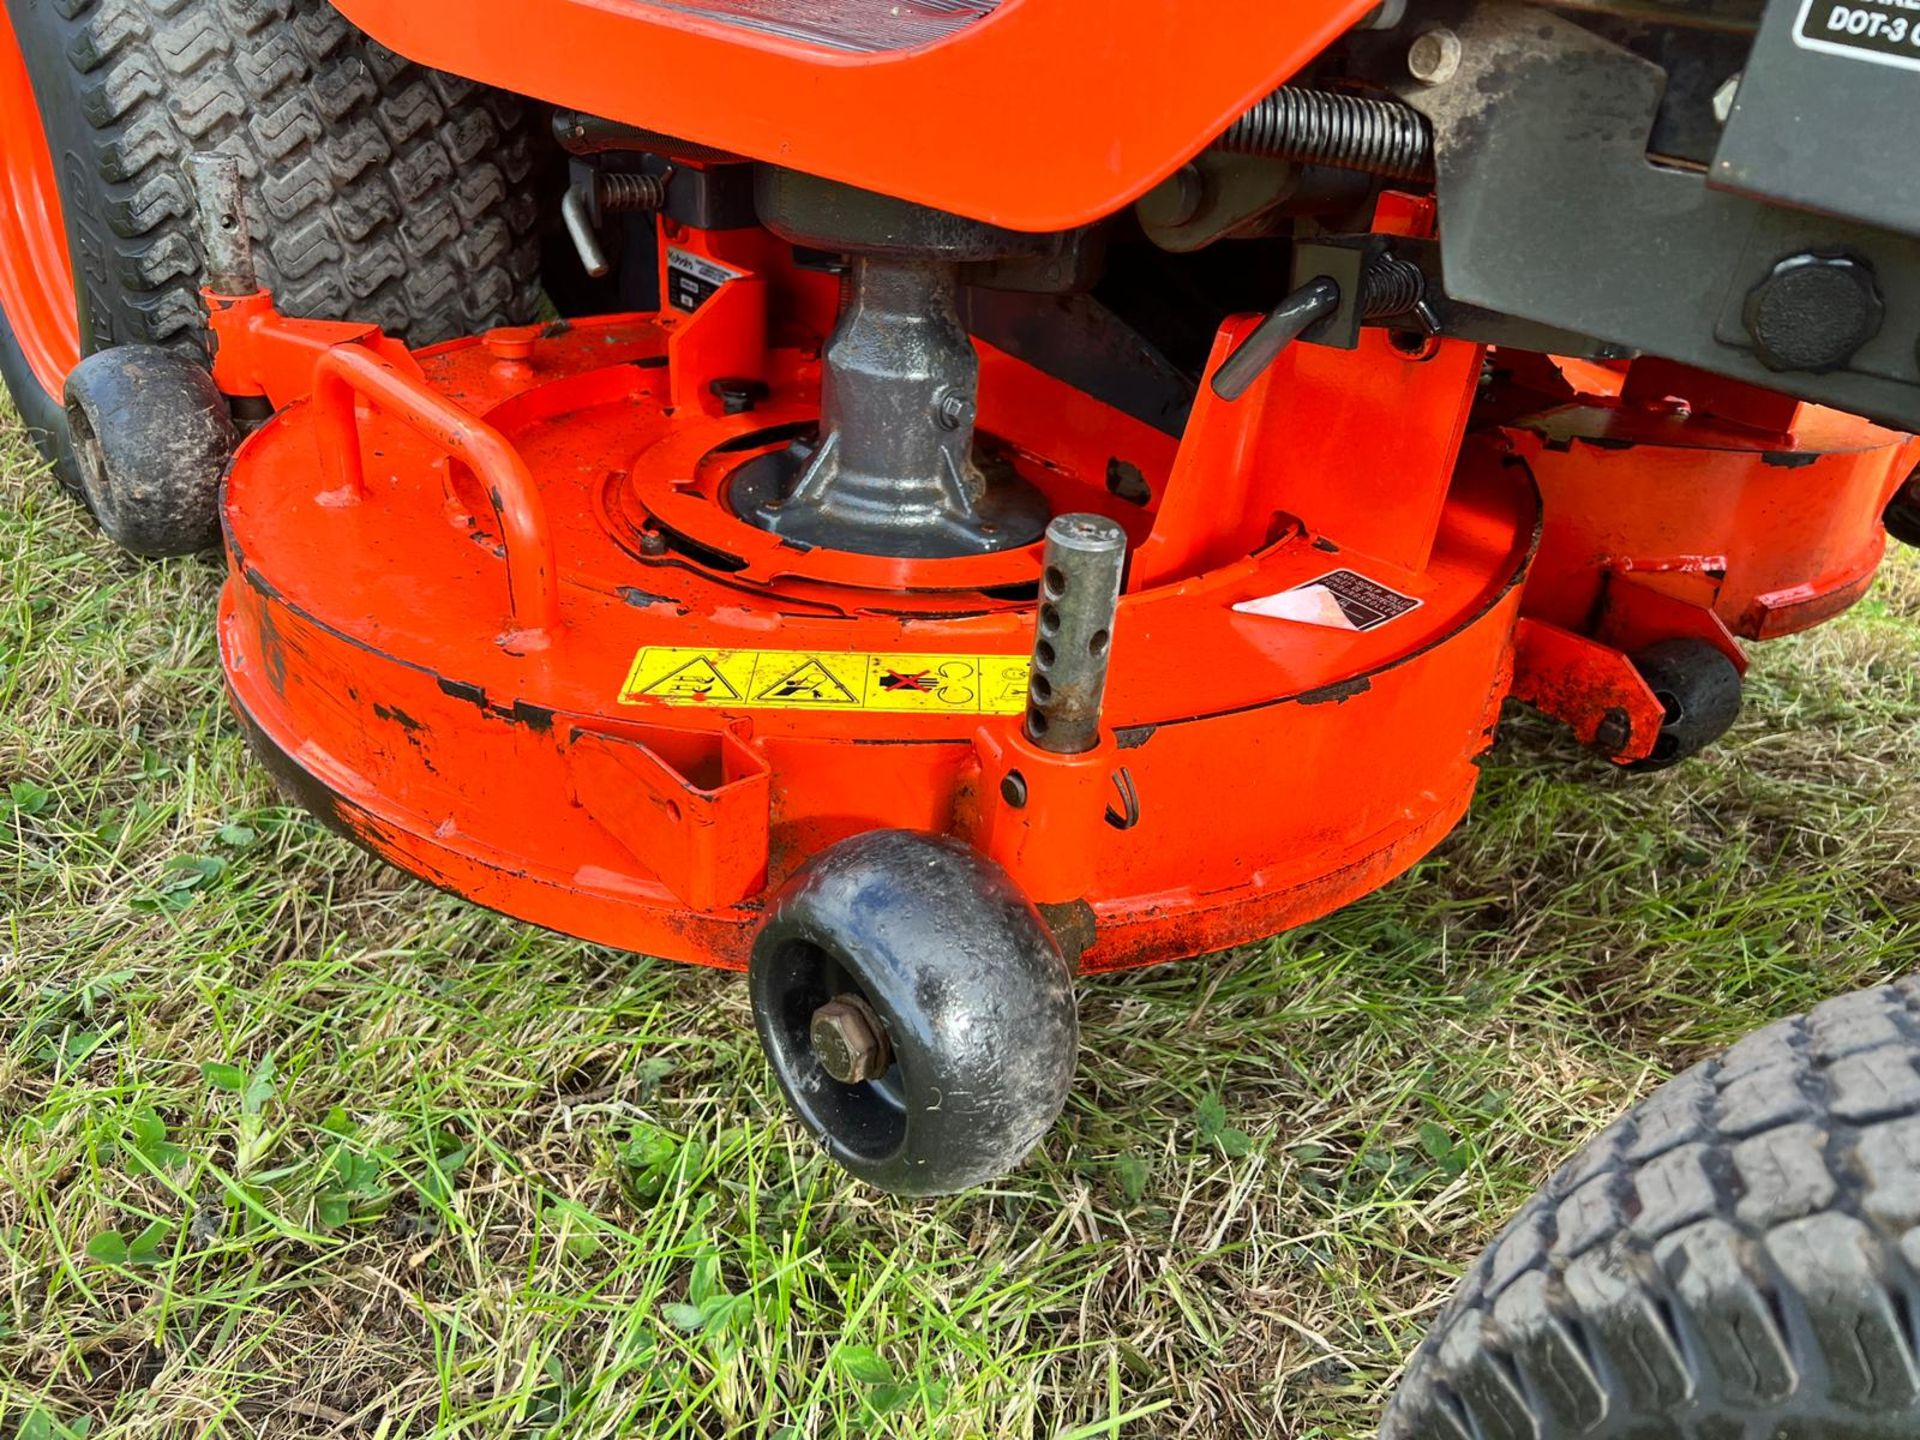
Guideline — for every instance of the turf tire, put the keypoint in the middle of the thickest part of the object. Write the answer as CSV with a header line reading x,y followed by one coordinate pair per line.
x,y
376,189
1734,1258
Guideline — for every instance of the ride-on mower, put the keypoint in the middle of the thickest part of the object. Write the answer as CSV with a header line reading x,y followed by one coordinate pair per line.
x,y
1017,488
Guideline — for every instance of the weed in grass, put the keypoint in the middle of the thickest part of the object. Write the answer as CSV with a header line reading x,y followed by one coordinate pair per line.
x,y
290,1146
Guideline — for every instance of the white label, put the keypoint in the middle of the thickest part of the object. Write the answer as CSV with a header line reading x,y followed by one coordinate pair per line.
x,y
692,279
1881,32
1338,600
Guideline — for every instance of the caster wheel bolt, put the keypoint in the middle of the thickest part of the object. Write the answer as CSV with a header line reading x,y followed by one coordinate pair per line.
x,y
849,1041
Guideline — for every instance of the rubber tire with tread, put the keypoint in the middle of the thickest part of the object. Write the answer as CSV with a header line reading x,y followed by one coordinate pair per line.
x,y
151,440
972,992
1738,1256
1701,690
377,190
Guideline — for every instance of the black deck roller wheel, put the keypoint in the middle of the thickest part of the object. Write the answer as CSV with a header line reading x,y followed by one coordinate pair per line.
x,y
1903,512
151,440
1700,689
916,1010
1738,1256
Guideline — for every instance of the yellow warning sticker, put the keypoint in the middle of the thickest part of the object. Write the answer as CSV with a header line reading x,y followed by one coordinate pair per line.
x,y
828,680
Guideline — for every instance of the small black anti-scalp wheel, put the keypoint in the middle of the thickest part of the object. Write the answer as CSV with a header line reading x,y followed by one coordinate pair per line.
x,y
1700,689
151,440
916,1010
1903,512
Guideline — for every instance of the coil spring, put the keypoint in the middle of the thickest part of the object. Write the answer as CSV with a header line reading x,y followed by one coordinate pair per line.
x,y
619,191
1393,287
1318,127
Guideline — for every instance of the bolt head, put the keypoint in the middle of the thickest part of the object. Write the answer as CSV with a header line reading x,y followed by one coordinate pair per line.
x,y
738,395
1013,789
849,1041
1384,16
511,342
1434,57
1614,733
1175,201
954,410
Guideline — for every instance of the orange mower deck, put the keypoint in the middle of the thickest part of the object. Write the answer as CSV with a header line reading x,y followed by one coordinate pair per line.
x,y
643,759
494,611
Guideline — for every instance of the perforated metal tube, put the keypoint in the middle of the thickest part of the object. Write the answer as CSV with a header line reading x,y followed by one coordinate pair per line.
x,y
223,224
1072,643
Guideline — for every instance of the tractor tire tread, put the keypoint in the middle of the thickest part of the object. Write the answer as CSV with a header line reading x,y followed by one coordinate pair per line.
x,y
1743,1246
377,190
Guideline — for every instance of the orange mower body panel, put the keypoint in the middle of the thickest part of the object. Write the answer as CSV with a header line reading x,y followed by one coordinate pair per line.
x,y
1030,114
36,276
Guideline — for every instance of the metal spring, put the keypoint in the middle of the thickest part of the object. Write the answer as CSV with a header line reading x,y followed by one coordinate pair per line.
x,y
1318,127
1393,287
619,191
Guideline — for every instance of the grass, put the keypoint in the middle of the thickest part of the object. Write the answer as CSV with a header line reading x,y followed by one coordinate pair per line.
x,y
290,1146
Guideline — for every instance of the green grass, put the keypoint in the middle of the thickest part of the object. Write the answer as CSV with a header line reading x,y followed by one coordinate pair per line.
x,y
290,1146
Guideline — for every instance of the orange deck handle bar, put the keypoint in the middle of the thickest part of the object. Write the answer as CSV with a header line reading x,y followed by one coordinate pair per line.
x,y
347,372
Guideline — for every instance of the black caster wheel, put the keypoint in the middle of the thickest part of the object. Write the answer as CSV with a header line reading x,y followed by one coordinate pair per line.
x,y
1903,512
916,1011
1700,689
1736,1256
151,440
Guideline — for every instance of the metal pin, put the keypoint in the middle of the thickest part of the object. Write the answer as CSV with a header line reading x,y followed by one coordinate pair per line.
x,y
576,210
1290,319
223,224
1079,595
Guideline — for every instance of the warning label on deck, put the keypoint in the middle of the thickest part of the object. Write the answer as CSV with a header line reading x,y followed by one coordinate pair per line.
x,y
828,680
692,279
1338,600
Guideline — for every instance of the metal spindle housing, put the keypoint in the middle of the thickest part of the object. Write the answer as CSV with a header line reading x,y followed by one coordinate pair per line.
x,y
894,471
1072,644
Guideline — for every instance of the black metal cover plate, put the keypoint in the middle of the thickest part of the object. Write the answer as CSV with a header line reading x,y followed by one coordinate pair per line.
x,y
1822,119
1552,212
